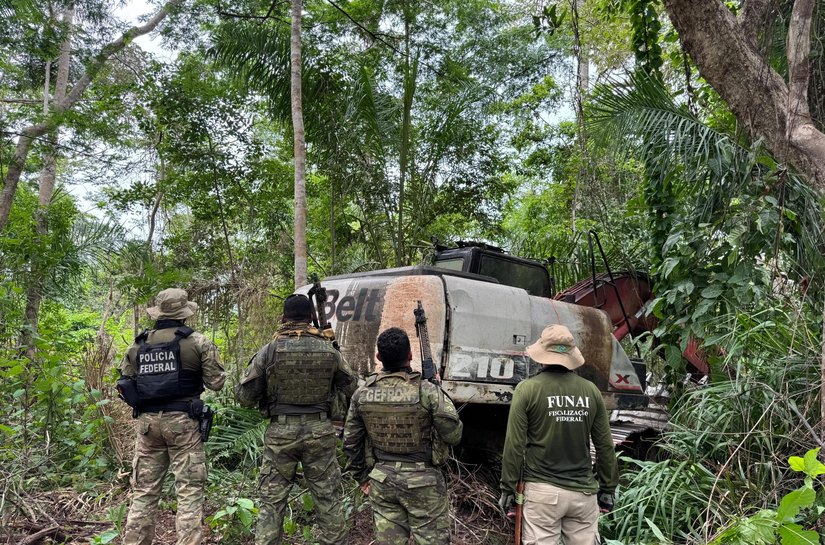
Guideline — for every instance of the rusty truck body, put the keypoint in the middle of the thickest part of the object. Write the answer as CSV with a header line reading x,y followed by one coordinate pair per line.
x,y
483,308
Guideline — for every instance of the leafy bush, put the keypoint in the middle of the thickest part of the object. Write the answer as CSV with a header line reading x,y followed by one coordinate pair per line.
x,y
234,520
764,527
670,497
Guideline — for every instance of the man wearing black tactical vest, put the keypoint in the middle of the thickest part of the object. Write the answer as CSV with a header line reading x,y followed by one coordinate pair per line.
x,y
162,376
293,380
553,417
407,423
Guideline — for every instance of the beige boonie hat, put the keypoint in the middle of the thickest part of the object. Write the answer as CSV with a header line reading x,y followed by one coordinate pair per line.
x,y
172,304
556,346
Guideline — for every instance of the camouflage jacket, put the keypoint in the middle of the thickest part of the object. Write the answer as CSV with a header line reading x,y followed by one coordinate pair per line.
x,y
196,353
446,425
253,392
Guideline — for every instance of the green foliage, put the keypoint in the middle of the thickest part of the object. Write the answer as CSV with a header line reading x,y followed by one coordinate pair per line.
x,y
52,399
668,498
548,21
117,515
234,520
105,537
718,212
769,526
236,440
193,158
646,27
405,143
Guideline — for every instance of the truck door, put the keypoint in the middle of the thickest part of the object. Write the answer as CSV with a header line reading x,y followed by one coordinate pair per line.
x,y
489,328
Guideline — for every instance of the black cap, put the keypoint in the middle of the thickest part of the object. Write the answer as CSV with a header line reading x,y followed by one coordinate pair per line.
x,y
297,307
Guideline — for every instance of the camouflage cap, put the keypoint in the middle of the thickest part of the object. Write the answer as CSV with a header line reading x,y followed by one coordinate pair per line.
x,y
172,304
556,346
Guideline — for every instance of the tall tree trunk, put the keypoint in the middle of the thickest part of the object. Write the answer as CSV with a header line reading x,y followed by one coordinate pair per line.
x,y
724,50
582,84
332,226
48,173
52,121
410,77
300,227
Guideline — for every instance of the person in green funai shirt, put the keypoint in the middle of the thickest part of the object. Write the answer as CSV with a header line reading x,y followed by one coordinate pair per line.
x,y
553,417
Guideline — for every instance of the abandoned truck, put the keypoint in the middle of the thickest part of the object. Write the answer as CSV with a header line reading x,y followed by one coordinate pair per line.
x,y
483,308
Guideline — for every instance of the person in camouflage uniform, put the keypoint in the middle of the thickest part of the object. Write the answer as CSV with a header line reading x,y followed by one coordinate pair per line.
x,y
292,380
167,367
406,423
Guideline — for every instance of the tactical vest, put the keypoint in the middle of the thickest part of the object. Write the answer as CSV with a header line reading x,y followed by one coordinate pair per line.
x,y
393,415
302,370
160,373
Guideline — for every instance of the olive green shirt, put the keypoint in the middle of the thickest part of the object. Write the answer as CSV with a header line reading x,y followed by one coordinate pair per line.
x,y
445,421
252,391
553,417
196,353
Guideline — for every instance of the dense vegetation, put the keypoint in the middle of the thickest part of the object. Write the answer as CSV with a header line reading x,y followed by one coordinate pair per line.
x,y
523,124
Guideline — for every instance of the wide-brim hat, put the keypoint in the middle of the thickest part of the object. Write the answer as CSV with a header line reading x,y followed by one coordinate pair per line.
x,y
172,304
556,346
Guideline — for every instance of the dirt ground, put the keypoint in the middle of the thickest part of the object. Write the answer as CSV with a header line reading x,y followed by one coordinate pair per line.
x,y
71,518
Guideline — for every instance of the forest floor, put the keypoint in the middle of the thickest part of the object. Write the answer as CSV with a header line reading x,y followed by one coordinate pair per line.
x,y
84,518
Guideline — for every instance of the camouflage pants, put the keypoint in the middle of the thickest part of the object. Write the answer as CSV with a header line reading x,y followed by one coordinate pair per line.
x,y
312,443
409,499
167,441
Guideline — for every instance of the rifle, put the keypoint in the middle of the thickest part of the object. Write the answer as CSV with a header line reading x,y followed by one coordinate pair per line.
x,y
319,314
519,509
428,370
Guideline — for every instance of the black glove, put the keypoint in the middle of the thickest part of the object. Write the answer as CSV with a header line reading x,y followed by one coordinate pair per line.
x,y
605,501
506,501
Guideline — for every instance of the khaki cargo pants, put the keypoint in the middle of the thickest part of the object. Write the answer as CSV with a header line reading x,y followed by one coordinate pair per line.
x,y
167,440
551,512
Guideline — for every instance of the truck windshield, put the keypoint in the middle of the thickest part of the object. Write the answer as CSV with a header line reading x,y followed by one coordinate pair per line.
x,y
532,278
454,264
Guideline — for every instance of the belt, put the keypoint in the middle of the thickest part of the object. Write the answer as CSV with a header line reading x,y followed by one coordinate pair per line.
x,y
405,465
182,406
298,418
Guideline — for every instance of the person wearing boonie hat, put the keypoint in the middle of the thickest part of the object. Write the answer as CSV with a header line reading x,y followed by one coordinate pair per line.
x,y
560,412
162,376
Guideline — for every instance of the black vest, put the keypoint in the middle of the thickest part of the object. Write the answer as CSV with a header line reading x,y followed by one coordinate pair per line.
x,y
160,373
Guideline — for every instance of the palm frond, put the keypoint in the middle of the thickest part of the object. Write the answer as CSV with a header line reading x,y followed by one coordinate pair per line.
x,y
640,113
258,58
238,437
700,169
20,9
95,241
375,112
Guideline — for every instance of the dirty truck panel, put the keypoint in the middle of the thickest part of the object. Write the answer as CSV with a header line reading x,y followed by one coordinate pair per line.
x,y
478,331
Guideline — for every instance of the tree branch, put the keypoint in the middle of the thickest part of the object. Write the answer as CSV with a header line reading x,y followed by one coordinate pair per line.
x,y
52,121
756,94
752,17
799,70
20,101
